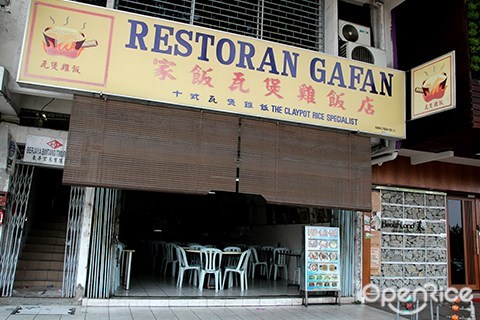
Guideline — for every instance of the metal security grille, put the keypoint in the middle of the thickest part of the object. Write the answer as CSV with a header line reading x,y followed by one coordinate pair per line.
x,y
74,226
102,280
344,219
16,213
298,23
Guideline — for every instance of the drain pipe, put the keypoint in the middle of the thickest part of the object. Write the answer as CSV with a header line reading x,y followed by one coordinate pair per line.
x,y
388,157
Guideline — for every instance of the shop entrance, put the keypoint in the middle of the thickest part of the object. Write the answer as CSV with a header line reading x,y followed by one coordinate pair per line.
x,y
463,235
220,219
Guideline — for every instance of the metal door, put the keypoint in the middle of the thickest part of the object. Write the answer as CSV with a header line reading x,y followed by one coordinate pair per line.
x,y
16,212
74,228
102,280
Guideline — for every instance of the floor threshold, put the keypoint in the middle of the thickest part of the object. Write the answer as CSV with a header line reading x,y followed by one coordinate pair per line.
x,y
210,301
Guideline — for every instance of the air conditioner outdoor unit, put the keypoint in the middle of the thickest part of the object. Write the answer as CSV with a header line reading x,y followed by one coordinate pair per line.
x,y
6,104
363,53
355,33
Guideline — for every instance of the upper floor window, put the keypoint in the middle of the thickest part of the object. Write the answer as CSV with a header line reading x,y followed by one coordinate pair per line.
x,y
100,3
298,23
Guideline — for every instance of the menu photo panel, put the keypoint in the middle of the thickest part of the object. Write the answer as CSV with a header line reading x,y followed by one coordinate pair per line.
x,y
322,258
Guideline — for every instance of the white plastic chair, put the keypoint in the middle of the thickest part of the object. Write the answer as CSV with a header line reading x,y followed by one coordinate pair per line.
x,y
162,248
170,258
232,249
254,262
279,261
195,258
210,263
266,254
156,248
183,266
192,244
241,268
232,260
297,274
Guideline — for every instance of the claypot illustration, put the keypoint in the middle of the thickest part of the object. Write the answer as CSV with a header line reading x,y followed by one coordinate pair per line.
x,y
433,87
65,42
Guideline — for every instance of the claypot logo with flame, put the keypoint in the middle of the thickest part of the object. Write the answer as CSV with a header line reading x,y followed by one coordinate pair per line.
x,y
63,41
433,87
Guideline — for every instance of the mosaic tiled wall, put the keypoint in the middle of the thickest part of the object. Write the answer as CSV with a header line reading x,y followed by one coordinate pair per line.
x,y
413,241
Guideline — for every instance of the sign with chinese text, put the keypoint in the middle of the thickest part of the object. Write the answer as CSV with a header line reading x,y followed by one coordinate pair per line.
x,y
322,258
375,252
93,49
45,151
433,86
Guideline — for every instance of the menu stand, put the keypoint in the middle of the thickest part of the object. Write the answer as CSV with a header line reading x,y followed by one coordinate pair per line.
x,y
322,261
336,295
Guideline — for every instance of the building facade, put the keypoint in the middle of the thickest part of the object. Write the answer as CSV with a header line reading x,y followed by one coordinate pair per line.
x,y
108,157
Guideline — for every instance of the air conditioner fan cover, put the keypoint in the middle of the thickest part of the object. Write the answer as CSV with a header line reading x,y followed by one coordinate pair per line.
x,y
350,33
361,53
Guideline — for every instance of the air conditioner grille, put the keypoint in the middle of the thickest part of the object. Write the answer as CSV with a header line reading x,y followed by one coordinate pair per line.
x,y
350,33
360,53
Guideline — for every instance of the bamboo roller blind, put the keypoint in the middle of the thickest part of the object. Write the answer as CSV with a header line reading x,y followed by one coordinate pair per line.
x,y
143,147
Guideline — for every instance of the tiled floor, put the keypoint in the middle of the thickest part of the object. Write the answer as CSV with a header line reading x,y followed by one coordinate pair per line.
x,y
154,285
154,297
317,312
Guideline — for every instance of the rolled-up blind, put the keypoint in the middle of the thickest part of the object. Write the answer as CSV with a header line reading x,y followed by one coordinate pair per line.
x,y
143,147
305,166
165,149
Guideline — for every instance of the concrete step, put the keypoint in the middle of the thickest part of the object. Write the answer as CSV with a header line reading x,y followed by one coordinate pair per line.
x,y
42,256
48,233
38,275
38,284
56,218
46,240
45,248
40,265
49,225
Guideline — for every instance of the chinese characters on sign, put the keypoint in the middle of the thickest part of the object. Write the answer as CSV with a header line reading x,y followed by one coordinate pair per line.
x,y
200,77
433,86
45,150
375,253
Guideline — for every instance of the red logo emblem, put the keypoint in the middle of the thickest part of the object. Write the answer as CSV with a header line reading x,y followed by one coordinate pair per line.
x,y
54,144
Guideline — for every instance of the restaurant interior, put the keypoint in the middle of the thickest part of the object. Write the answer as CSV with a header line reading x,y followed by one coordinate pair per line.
x,y
149,221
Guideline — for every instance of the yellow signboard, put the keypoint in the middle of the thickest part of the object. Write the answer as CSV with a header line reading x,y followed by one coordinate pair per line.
x,y
86,48
433,86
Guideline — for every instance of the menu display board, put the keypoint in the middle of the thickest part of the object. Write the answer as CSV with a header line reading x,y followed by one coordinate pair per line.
x,y
322,258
